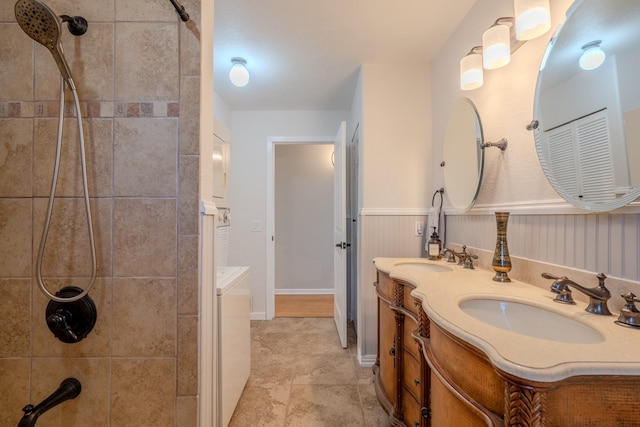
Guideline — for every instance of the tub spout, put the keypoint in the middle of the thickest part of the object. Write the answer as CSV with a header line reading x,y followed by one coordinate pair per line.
x,y
69,389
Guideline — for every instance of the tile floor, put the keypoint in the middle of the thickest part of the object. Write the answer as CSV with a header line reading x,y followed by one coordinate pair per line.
x,y
301,377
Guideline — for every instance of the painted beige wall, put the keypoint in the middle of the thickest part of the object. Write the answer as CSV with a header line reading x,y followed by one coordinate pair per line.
x,y
396,121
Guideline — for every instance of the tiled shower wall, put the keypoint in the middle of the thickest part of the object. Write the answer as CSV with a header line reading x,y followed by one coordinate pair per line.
x,y
137,73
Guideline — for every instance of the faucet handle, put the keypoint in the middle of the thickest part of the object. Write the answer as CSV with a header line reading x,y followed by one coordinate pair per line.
x,y
550,276
629,314
564,295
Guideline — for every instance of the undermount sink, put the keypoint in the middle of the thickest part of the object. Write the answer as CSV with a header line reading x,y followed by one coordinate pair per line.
x,y
424,267
530,320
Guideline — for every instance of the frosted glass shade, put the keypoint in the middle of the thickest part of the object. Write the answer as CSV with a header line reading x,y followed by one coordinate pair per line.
x,y
496,47
238,74
471,75
592,58
533,18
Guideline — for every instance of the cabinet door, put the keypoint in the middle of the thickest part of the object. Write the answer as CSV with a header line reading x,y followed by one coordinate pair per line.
x,y
387,348
448,410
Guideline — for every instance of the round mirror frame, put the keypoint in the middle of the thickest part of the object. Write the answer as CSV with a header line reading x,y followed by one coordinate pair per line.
x,y
463,156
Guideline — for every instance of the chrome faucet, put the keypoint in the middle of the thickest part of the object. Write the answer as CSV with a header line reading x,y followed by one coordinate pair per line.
x,y
598,296
450,254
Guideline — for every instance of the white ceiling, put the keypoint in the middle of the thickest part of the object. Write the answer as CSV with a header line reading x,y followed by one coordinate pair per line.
x,y
305,54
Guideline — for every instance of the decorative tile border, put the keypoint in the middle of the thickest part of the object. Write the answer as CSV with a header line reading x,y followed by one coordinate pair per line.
x,y
90,109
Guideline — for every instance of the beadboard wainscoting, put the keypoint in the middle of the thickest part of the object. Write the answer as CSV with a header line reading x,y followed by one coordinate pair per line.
x,y
608,242
383,233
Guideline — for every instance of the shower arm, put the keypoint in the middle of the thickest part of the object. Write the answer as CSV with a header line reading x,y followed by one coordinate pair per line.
x,y
180,9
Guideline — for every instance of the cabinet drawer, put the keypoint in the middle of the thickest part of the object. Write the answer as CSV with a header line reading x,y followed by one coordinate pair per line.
x,y
410,344
408,301
411,376
385,286
412,410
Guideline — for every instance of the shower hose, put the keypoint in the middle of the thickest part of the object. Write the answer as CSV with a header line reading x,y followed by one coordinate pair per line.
x,y
52,195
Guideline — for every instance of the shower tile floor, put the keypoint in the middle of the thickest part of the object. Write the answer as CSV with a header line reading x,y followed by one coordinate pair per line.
x,y
302,377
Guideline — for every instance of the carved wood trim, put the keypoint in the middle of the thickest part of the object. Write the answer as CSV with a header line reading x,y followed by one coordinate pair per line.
x,y
524,407
398,291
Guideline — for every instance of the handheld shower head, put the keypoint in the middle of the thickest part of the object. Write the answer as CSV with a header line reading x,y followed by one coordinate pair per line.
x,y
42,25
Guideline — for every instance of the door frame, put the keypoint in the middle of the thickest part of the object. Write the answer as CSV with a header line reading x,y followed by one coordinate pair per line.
x,y
272,141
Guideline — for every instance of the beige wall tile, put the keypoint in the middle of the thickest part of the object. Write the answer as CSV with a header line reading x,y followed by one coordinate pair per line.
x,y
147,57
15,44
90,9
15,156
90,408
145,157
187,411
15,389
144,237
144,392
98,134
188,302
96,344
67,251
187,355
189,115
15,306
144,11
15,241
189,196
90,58
144,317
190,40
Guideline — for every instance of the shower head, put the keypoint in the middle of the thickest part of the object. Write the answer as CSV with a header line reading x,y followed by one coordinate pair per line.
x,y
42,25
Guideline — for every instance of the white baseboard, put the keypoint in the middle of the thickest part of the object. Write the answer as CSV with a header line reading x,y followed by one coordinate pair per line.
x,y
258,315
304,291
367,360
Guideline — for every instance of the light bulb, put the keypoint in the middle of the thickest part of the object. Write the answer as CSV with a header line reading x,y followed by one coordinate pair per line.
x,y
533,18
496,47
239,75
471,75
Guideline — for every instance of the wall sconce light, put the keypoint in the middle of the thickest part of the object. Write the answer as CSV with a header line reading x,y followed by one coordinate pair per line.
x,y
471,74
238,74
496,46
503,39
592,56
533,18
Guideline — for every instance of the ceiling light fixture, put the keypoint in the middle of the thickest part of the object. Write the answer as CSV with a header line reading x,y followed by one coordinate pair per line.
x,y
471,74
238,74
533,18
592,56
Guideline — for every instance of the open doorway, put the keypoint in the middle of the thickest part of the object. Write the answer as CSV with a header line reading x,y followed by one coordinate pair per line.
x,y
303,208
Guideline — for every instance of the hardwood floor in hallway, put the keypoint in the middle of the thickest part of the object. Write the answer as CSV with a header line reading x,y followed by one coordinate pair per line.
x,y
304,305
302,377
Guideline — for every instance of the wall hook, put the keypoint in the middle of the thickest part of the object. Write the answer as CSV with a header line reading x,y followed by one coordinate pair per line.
x,y
533,125
502,144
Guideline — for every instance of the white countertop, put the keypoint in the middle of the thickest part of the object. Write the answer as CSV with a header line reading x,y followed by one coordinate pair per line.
x,y
526,357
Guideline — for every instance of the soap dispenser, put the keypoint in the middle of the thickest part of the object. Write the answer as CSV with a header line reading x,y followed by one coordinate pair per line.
x,y
434,246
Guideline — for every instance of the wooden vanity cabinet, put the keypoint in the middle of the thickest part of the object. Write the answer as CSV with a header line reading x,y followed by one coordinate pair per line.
x,y
425,376
400,369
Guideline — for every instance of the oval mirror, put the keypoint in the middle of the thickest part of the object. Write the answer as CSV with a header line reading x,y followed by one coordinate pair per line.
x,y
587,105
463,157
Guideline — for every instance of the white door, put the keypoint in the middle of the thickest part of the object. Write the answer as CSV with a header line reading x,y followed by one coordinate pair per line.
x,y
340,235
